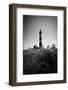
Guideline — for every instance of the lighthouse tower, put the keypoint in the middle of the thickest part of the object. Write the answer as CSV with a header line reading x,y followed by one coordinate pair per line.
x,y
40,39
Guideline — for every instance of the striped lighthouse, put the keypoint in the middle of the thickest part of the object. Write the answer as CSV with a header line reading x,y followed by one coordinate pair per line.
x,y
40,39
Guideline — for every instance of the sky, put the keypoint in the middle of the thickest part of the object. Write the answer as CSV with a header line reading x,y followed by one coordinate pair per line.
x,y
31,26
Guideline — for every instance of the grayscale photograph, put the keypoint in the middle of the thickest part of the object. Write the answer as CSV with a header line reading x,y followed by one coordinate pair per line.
x,y
40,45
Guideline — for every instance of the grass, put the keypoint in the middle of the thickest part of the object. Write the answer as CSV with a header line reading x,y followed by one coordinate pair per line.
x,y
39,61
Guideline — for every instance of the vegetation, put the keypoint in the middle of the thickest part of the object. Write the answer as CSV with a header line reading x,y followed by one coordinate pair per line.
x,y
40,60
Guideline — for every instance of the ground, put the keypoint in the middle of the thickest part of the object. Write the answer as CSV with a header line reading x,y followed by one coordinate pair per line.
x,y
39,61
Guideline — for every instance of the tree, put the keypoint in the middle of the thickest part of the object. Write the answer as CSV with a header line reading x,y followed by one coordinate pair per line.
x,y
53,46
48,46
36,47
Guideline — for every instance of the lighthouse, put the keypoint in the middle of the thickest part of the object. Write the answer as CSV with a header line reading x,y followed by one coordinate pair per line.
x,y
40,39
